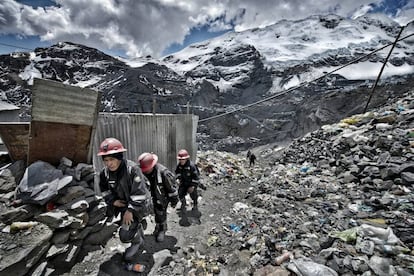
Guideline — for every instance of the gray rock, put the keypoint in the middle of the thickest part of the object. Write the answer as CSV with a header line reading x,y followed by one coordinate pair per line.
x,y
61,236
407,178
365,246
7,181
41,193
102,236
69,194
65,260
79,234
28,249
57,249
55,219
97,213
21,213
76,206
381,266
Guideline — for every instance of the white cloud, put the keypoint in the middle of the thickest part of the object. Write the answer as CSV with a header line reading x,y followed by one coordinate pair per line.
x,y
406,15
148,27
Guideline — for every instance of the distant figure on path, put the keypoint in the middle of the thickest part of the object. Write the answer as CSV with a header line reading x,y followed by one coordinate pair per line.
x,y
188,179
252,159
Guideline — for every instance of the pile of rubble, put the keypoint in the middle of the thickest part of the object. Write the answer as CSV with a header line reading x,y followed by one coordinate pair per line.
x,y
338,201
49,217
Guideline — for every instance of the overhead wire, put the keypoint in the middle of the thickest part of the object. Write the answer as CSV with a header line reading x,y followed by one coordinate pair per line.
x,y
267,98
302,84
15,46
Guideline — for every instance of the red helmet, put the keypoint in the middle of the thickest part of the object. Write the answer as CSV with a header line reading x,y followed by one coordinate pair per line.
x,y
110,146
182,154
147,161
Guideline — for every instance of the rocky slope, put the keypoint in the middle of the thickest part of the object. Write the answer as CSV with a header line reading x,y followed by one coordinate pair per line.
x,y
335,202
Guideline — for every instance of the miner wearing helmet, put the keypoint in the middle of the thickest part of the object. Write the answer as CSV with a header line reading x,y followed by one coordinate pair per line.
x,y
163,190
125,190
188,178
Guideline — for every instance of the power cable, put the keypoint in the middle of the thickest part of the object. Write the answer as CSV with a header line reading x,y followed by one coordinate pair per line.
x,y
302,84
265,99
15,46
382,69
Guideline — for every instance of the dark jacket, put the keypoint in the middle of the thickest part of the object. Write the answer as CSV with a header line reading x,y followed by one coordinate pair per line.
x,y
252,157
163,185
128,183
188,174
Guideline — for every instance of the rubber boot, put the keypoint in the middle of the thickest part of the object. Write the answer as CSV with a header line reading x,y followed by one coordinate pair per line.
x,y
137,241
183,205
159,232
161,236
131,251
195,206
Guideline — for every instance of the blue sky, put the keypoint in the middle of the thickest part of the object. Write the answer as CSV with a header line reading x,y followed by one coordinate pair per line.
x,y
195,35
133,28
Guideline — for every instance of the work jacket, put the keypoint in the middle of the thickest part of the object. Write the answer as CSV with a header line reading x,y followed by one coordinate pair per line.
x,y
187,174
128,183
163,186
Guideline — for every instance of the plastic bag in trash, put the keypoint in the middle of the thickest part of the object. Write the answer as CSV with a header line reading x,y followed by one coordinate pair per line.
x,y
304,267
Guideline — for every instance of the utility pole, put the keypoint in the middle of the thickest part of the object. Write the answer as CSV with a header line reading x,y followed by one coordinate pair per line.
x,y
382,69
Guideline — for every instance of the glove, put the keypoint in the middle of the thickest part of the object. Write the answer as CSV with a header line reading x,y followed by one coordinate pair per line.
x,y
174,201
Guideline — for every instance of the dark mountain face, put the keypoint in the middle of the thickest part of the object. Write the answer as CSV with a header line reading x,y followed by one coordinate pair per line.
x,y
270,66
124,89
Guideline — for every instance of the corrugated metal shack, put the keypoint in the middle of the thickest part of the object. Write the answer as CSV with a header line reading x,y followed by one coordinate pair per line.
x,y
66,123
162,134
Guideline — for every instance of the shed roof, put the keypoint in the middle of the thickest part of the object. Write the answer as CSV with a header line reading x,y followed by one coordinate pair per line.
x,y
6,106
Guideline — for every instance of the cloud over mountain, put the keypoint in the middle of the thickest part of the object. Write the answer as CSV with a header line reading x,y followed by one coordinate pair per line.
x,y
141,28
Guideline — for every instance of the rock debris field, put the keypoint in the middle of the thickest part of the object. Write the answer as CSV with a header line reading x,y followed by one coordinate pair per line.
x,y
338,201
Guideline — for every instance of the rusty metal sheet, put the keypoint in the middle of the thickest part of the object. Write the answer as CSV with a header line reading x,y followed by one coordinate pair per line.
x,y
51,141
60,103
63,122
16,138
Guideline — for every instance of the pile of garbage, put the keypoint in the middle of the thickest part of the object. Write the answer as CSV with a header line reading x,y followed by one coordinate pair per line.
x,y
218,166
338,201
49,217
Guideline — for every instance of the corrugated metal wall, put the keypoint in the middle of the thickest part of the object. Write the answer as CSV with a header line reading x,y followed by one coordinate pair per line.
x,y
162,134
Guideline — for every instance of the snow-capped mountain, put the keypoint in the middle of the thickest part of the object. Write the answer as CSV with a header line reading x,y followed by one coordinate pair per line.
x,y
281,66
316,44
255,64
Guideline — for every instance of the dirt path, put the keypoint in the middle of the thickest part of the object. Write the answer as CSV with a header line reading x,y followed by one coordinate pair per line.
x,y
188,231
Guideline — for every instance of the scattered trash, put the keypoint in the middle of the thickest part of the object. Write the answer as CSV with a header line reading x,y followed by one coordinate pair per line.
x,y
17,226
348,236
283,258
